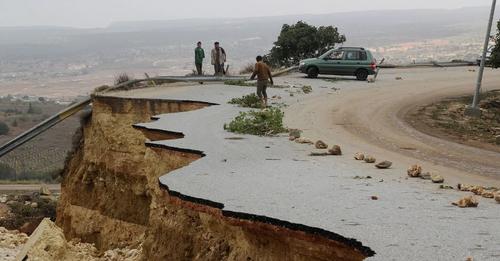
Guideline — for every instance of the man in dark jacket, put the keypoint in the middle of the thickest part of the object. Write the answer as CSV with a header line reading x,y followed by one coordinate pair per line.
x,y
218,59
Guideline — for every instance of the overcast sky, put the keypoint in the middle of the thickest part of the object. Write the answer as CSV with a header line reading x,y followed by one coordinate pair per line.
x,y
100,13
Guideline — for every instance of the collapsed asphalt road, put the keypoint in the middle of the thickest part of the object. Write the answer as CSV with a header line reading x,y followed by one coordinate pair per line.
x,y
276,178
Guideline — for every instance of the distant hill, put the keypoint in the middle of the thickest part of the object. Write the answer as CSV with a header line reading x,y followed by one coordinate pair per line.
x,y
169,44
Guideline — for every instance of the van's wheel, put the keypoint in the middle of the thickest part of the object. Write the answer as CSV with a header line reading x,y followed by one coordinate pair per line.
x,y
312,72
361,75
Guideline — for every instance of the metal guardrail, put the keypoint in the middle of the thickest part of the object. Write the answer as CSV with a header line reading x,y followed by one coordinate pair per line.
x,y
430,64
73,109
42,127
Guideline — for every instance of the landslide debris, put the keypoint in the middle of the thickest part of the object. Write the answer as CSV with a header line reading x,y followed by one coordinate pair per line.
x,y
335,150
321,145
359,156
437,179
49,243
11,242
370,159
303,140
384,165
294,134
467,202
414,171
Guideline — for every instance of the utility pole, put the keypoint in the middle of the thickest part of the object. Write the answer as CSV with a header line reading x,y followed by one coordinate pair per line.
x,y
473,110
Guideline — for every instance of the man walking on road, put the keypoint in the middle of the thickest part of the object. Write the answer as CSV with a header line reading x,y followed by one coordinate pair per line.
x,y
264,76
199,55
218,59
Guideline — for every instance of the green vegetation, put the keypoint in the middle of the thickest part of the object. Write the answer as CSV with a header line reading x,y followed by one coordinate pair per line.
x,y
495,53
22,213
307,89
247,101
4,128
7,172
267,122
300,41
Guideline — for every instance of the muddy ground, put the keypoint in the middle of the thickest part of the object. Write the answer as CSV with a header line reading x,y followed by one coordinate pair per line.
x,y
446,119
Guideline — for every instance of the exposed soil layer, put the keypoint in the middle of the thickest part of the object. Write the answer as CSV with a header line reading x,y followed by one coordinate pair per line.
x,y
111,197
445,119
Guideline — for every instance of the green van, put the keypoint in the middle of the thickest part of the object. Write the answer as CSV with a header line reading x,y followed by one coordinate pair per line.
x,y
348,61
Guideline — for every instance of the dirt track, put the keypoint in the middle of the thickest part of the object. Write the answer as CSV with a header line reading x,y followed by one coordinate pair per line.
x,y
370,118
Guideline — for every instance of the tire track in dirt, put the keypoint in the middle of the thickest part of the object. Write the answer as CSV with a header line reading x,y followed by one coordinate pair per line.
x,y
371,119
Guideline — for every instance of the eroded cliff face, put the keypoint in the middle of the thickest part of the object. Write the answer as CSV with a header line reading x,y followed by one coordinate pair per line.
x,y
111,196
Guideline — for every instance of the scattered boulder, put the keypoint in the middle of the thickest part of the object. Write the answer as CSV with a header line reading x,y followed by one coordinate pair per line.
x,y
437,179
488,194
426,176
478,190
467,202
370,159
4,199
445,187
414,171
304,141
295,134
497,196
321,145
34,204
359,156
47,242
335,150
384,165
44,190
464,187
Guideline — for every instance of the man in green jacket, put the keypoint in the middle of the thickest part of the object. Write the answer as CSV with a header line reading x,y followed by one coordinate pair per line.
x,y
199,55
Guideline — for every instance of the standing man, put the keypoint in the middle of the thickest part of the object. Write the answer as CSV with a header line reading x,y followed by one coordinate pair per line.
x,y
218,59
264,76
199,55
